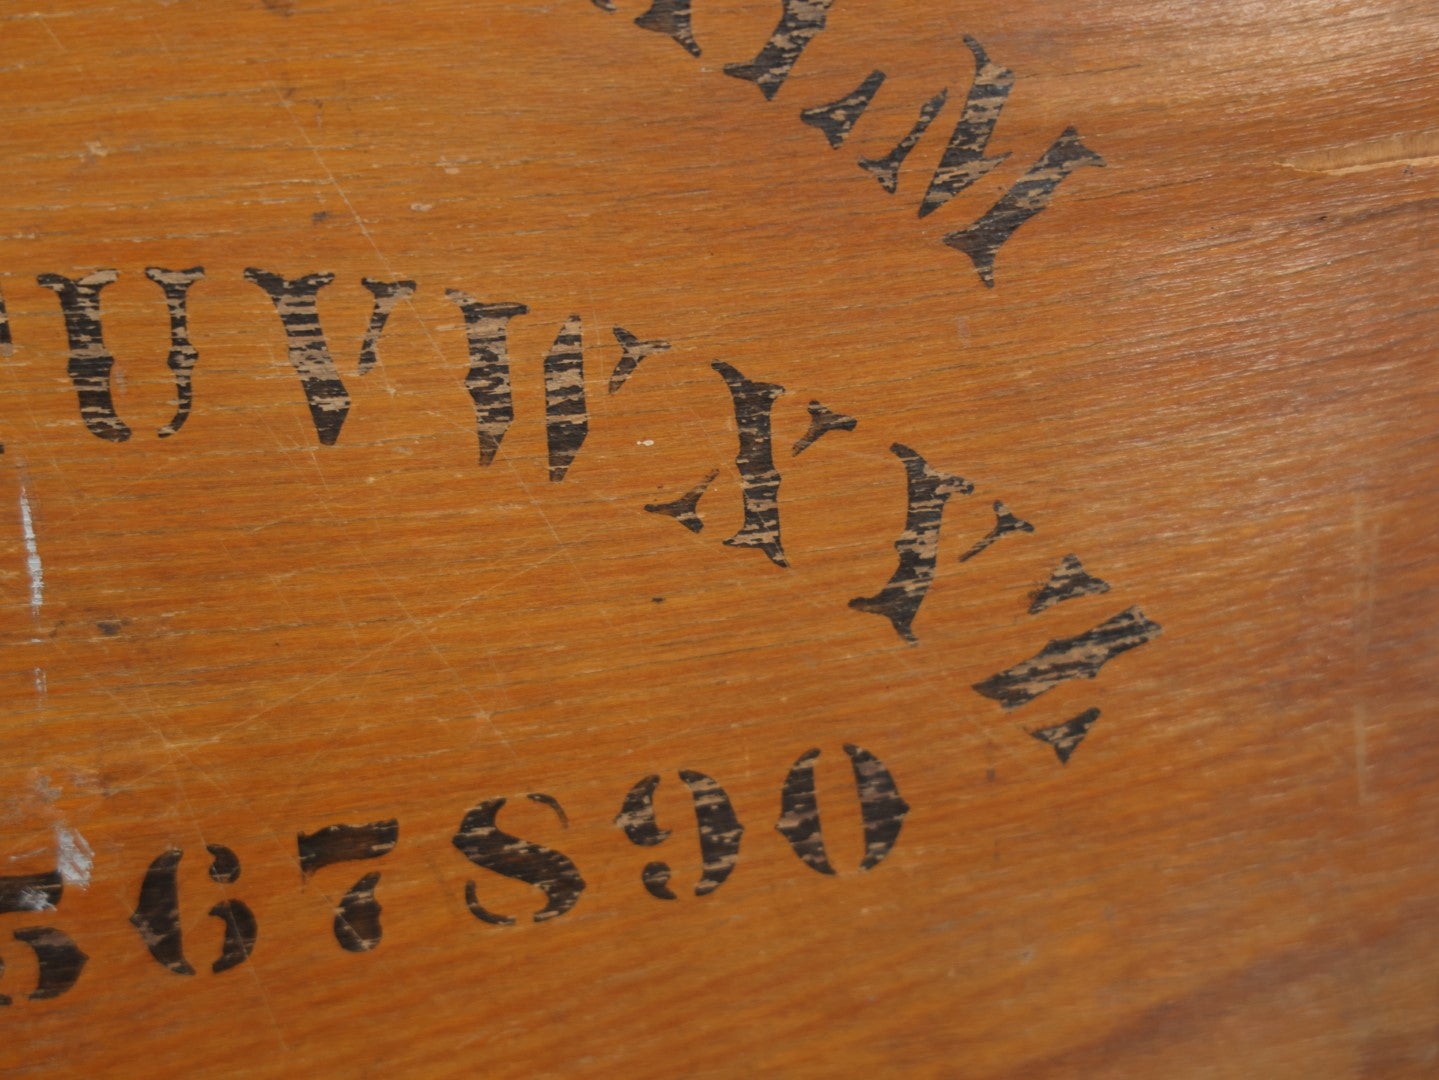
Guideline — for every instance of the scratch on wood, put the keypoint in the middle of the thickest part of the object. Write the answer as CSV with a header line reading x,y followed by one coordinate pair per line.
x,y
33,566
1413,148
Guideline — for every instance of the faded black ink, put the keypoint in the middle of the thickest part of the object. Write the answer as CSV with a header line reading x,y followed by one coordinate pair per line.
x,y
157,913
567,421
241,931
719,829
1069,581
633,350
637,819
1004,524
918,544
1078,657
759,479
655,877
59,958
296,303
481,841
719,832
882,810
801,21
183,355
836,119
964,162
488,380
387,294
886,169
553,803
6,345
637,814
671,18
684,509
224,864
345,843
821,422
799,814
1031,194
90,361
31,892
1068,735
357,916
880,805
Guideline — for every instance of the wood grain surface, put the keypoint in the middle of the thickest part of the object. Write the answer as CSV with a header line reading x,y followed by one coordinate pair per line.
x,y
1059,706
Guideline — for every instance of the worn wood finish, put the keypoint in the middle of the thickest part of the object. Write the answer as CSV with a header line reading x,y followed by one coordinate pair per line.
x,y
1205,369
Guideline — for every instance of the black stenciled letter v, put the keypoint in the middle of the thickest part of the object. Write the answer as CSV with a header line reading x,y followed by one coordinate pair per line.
x,y
309,353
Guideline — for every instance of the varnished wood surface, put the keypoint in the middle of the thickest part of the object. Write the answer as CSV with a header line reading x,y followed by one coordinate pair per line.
x,y
1207,369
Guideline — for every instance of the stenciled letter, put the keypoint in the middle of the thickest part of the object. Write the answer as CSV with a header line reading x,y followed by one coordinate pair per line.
x,y
357,917
670,17
567,420
1031,194
759,479
553,873
1078,657
918,544
489,379
719,832
880,806
90,361
964,162
176,284
59,958
295,303
387,294
802,20
157,912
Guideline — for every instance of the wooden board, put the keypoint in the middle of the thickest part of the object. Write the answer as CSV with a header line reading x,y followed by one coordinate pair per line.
x,y
690,609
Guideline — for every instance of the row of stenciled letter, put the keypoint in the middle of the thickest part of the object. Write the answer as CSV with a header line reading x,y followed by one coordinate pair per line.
x,y
964,161
488,382
357,927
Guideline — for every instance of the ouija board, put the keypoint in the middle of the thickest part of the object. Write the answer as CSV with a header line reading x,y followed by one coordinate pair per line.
x,y
745,537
